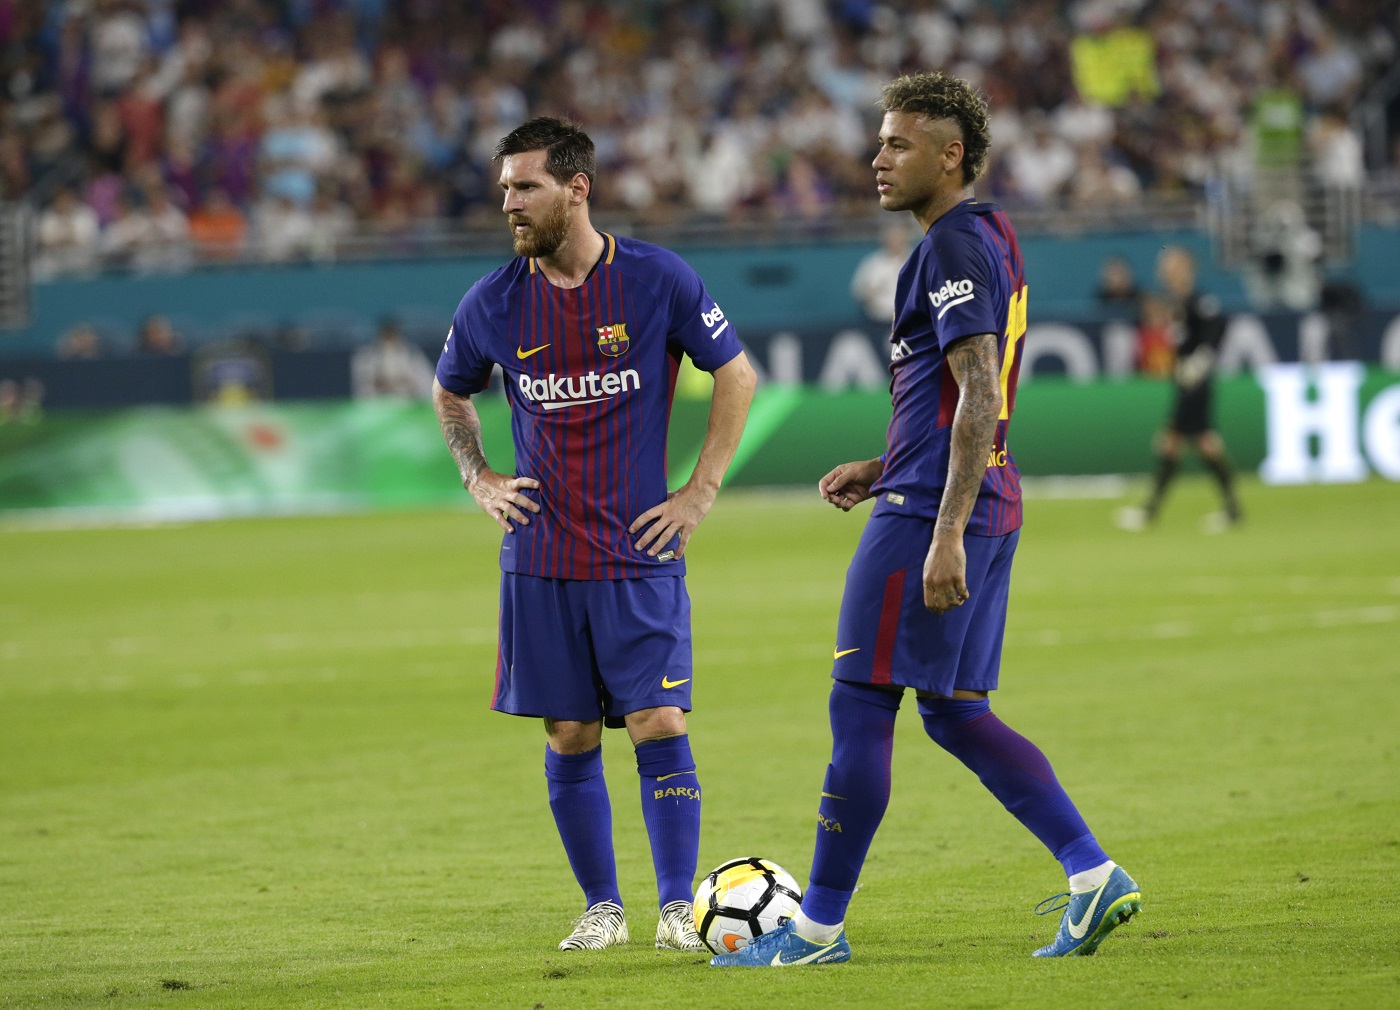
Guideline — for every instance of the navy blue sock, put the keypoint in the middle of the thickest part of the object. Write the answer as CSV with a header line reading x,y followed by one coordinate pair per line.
x,y
854,796
671,808
1017,773
578,795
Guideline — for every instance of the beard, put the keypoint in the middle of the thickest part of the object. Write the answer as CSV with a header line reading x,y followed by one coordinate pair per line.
x,y
546,235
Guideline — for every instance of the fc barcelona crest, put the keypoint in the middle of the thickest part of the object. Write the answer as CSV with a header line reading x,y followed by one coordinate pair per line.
x,y
612,339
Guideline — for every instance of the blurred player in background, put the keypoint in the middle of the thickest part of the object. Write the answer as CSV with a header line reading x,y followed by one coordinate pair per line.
x,y
391,367
926,594
1202,326
877,274
594,620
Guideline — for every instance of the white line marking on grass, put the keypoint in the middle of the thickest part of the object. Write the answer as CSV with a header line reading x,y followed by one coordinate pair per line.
x,y
1106,485
1366,615
280,641
1254,624
250,677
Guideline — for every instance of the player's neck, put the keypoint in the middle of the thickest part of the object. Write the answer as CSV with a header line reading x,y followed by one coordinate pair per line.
x,y
570,264
939,204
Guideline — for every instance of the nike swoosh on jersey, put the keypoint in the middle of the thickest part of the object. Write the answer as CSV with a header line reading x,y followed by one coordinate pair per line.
x,y
668,684
832,796
1078,929
778,961
522,354
663,778
844,652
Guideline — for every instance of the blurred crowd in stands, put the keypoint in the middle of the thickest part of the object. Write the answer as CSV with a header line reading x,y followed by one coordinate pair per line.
x,y
148,133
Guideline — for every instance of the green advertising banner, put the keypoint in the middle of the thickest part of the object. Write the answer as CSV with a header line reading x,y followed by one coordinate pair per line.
x,y
280,458
212,461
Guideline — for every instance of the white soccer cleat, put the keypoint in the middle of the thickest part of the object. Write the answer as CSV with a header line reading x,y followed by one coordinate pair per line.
x,y
602,925
676,929
1131,520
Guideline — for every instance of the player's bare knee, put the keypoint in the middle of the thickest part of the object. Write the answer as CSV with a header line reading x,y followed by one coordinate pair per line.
x,y
567,736
655,723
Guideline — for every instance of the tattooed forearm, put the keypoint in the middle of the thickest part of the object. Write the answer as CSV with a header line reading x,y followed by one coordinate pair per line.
x,y
974,365
461,429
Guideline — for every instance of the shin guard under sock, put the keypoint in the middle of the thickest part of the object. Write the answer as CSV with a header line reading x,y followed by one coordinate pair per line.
x,y
578,797
671,809
854,797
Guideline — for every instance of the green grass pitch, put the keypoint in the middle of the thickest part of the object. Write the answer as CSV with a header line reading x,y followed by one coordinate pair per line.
x,y
249,764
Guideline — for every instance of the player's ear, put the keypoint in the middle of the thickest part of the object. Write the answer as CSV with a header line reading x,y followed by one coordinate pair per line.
x,y
579,188
953,155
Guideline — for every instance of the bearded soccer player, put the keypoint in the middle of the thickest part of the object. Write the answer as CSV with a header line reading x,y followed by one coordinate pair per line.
x,y
595,620
925,600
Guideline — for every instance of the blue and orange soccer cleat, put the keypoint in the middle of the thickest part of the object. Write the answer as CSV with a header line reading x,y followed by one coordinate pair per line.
x,y
1091,915
782,948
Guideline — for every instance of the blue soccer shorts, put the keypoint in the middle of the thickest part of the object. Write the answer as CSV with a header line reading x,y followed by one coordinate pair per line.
x,y
585,650
885,634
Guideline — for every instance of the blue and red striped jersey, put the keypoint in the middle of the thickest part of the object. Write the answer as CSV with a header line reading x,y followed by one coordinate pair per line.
x,y
965,278
589,373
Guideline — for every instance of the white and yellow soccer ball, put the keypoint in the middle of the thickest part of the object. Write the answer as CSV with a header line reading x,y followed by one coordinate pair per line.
x,y
741,899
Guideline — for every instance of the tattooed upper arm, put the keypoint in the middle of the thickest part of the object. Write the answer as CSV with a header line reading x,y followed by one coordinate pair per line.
x,y
975,362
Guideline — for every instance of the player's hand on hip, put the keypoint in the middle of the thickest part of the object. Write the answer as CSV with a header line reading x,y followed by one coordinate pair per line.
x,y
849,484
502,497
945,574
679,514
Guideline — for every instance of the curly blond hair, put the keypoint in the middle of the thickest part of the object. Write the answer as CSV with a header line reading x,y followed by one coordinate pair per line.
x,y
940,97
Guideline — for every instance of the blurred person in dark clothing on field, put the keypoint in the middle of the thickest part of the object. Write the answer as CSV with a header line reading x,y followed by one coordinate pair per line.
x,y
1202,327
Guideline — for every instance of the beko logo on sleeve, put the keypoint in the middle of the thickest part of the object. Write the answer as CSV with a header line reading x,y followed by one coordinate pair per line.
x,y
958,291
714,316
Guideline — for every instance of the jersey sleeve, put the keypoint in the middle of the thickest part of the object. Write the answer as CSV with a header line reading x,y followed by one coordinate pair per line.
x,y
698,324
960,289
462,368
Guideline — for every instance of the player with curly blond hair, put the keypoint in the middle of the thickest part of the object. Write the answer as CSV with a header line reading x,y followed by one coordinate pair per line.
x,y
926,594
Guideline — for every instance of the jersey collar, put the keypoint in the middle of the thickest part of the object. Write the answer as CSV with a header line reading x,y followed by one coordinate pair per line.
x,y
609,251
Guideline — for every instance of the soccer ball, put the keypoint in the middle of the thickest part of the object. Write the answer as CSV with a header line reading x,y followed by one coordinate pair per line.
x,y
742,899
